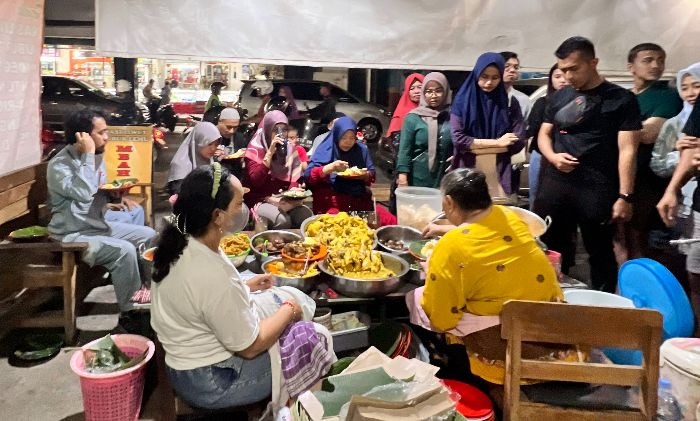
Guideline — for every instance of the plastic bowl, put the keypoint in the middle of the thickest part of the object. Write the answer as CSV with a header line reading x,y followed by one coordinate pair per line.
x,y
238,259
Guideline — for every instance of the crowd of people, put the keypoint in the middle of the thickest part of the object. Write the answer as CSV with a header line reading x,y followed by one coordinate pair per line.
x,y
613,164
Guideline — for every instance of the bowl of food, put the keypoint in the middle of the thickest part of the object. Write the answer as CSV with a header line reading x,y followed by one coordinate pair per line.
x,y
339,231
287,273
397,239
269,244
296,193
236,247
368,274
119,187
307,249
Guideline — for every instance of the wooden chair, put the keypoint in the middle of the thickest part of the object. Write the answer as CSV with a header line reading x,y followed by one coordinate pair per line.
x,y
560,323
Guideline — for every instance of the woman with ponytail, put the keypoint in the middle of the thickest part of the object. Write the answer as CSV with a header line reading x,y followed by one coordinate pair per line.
x,y
214,340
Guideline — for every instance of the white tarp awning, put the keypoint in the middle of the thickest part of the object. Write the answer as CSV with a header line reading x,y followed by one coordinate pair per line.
x,y
420,34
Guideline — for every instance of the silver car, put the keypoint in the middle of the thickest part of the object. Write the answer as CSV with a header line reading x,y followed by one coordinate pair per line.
x,y
371,119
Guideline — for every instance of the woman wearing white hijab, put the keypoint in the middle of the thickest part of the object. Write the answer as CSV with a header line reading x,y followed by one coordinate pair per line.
x,y
197,149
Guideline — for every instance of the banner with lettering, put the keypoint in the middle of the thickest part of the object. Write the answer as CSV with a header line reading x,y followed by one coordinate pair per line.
x,y
21,37
129,154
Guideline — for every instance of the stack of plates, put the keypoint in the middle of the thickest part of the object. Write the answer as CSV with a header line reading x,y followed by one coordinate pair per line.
x,y
392,338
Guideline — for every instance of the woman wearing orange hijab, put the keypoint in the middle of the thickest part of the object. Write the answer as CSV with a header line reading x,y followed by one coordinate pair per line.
x,y
408,101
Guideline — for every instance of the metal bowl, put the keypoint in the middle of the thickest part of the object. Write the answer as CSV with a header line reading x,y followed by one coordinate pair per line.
x,y
397,232
306,284
535,224
311,219
270,236
361,288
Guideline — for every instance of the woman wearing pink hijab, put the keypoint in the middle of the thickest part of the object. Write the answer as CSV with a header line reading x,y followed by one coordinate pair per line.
x,y
268,172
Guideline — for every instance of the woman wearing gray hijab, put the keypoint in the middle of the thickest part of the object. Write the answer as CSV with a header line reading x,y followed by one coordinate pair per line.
x,y
426,142
197,149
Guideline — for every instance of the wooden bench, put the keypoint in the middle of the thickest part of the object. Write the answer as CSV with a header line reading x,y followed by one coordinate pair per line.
x,y
170,406
30,270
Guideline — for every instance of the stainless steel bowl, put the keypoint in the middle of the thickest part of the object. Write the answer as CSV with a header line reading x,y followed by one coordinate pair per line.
x,y
398,232
369,287
270,236
311,219
306,284
535,224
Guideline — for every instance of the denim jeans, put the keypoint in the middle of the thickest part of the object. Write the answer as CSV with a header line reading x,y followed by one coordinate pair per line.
x,y
232,382
534,176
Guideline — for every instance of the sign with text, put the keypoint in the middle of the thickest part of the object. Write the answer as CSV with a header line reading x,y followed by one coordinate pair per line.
x,y
21,37
129,154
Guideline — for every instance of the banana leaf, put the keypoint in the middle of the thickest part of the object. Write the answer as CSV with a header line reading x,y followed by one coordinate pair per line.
x,y
39,346
106,357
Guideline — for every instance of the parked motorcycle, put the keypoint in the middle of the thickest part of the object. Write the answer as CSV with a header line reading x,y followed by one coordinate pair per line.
x,y
162,115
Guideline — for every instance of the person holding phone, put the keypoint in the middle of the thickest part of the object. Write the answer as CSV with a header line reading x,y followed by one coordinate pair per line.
x,y
272,166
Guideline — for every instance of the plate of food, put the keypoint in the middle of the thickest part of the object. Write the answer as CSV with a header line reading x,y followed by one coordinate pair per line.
x,y
119,186
29,234
236,155
353,172
300,251
422,250
296,194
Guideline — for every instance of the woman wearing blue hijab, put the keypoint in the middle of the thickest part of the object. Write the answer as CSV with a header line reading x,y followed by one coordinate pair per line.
x,y
483,121
338,152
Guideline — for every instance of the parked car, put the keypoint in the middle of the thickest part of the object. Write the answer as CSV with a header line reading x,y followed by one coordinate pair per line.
x,y
371,119
62,96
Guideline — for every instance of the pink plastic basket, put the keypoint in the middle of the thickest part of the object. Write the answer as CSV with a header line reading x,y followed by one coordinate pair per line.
x,y
114,396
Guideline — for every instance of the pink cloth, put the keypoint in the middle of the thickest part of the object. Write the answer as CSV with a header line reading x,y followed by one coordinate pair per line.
x,y
469,323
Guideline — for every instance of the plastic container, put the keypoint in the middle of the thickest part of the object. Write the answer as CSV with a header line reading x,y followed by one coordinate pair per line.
x,y
668,409
114,396
680,364
417,206
473,404
322,316
605,299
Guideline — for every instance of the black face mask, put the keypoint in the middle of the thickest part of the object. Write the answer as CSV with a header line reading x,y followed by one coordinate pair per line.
x,y
577,111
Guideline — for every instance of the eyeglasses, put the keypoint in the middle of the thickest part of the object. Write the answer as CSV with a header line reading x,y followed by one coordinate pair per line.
x,y
436,92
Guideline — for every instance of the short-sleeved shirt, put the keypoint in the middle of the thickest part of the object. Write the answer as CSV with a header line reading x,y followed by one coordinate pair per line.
x,y
658,100
202,311
586,125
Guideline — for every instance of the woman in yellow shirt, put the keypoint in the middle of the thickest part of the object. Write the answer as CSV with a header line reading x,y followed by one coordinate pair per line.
x,y
488,259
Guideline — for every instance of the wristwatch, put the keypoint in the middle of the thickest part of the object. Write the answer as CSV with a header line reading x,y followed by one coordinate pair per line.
x,y
627,197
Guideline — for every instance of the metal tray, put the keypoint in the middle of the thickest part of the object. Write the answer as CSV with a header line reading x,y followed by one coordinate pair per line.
x,y
344,340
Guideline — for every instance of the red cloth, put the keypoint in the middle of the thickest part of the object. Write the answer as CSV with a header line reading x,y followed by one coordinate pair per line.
x,y
302,154
404,106
261,183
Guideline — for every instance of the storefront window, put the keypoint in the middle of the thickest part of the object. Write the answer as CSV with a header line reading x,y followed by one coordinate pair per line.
x,y
80,63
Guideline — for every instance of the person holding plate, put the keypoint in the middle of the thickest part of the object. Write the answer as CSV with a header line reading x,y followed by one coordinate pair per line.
x,y
335,188
272,166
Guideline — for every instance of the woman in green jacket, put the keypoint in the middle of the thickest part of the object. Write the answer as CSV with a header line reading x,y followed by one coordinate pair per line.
x,y
426,143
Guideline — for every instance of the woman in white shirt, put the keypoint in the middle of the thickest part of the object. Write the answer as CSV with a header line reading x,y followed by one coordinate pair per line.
x,y
214,341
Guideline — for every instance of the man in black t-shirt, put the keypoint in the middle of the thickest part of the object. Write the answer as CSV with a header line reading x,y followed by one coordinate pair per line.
x,y
688,166
590,137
